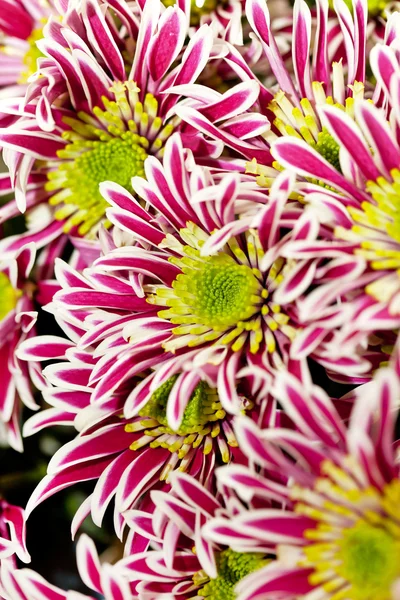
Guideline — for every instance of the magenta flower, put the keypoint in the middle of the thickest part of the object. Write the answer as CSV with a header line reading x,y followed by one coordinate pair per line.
x,y
187,301
21,25
318,79
176,527
17,320
341,497
126,457
108,114
357,231
130,356
104,579
300,106
12,534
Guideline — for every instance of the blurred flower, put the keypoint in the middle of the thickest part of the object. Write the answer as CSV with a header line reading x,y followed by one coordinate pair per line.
x,y
26,584
21,26
224,16
17,320
127,456
187,564
340,536
12,534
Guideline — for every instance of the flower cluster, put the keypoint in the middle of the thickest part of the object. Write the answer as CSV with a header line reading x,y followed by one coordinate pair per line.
x,y
200,295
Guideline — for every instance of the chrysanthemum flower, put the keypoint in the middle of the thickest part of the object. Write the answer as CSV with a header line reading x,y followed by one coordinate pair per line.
x,y
126,456
17,319
339,537
129,356
12,534
358,221
110,113
189,565
371,227
103,579
292,104
189,300
299,107
21,25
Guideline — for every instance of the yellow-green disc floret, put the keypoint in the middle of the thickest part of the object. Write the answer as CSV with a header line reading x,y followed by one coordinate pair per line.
x,y
370,561
203,407
354,549
222,298
232,567
215,293
376,234
117,159
8,295
109,144
328,147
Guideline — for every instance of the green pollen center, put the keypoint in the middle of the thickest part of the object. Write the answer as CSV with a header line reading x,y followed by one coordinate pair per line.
x,y
232,567
215,292
32,55
354,552
8,296
370,561
328,148
109,144
203,407
117,159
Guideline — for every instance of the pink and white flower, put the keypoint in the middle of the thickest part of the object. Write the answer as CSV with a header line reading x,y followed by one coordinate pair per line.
x,y
356,221
176,390
21,25
101,107
341,496
160,317
319,77
101,578
182,562
17,321
126,457
12,534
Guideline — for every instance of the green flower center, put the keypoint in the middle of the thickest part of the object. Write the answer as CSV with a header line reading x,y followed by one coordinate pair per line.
x,y
328,148
200,425
118,160
354,548
8,296
214,292
203,407
370,561
104,146
232,567
220,299
32,54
